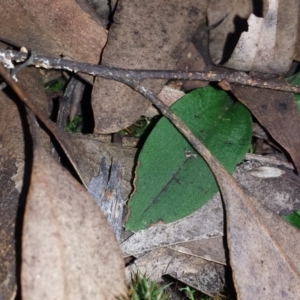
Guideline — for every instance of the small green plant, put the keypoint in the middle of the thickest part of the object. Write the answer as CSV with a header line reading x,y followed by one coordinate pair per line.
x,y
192,294
138,128
189,292
56,85
142,288
74,125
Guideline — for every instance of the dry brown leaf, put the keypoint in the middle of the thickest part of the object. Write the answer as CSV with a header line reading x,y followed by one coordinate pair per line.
x,y
169,96
12,163
191,61
52,28
98,10
210,249
231,13
149,35
277,112
69,251
297,54
202,275
11,180
269,44
86,153
281,195
184,230
263,248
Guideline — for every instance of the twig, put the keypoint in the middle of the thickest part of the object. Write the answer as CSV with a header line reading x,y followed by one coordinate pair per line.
x,y
133,77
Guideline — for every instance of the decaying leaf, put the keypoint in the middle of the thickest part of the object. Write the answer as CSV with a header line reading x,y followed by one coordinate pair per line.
x,y
12,155
86,153
277,112
69,251
149,35
52,28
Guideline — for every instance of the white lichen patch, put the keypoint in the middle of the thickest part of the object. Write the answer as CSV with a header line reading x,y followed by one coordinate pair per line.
x,y
43,63
6,60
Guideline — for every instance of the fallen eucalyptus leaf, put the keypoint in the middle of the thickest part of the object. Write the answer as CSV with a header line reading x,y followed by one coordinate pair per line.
x,y
69,251
211,249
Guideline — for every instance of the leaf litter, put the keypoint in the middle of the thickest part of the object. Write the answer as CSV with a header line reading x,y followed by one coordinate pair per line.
x,y
267,233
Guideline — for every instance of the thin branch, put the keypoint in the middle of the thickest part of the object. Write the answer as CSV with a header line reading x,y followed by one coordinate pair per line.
x,y
133,77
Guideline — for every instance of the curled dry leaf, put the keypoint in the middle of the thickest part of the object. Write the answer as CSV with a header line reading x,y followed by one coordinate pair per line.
x,y
149,35
69,250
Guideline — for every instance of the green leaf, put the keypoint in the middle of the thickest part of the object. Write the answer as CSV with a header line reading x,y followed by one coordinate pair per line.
x,y
172,179
74,125
294,218
56,85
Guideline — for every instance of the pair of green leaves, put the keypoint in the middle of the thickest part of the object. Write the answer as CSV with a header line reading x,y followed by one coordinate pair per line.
x,y
172,180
